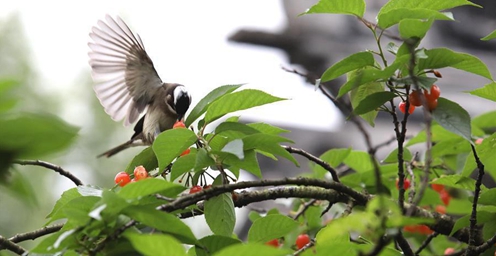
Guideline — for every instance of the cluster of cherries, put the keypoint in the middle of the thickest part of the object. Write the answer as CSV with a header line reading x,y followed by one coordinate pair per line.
x,y
431,97
123,178
301,241
444,196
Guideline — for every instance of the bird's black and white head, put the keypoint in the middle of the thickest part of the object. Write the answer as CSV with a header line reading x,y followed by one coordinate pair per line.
x,y
181,101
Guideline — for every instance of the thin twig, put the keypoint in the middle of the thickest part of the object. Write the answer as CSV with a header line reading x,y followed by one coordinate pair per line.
x,y
426,242
305,208
11,246
53,167
36,233
304,248
473,216
314,159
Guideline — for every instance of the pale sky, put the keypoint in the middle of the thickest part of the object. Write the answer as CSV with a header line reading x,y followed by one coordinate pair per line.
x,y
187,41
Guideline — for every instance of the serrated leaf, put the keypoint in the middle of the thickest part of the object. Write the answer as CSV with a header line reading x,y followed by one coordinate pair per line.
x,y
487,197
482,217
358,95
253,249
438,134
373,101
203,159
443,57
486,152
155,244
350,7
486,92
271,227
350,63
219,214
417,4
453,118
33,136
227,127
491,35
236,101
83,203
202,106
183,165
485,121
359,161
171,143
66,197
334,157
235,147
249,163
214,243
268,129
146,158
450,147
150,186
414,28
456,181
393,156
388,19
268,143
162,221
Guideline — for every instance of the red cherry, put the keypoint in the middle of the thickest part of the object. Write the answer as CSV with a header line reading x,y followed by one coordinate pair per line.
x,y
273,242
449,251
425,230
302,240
179,124
122,178
207,186
441,209
431,104
437,187
445,197
140,173
479,141
185,152
406,183
402,107
195,189
434,93
410,228
414,98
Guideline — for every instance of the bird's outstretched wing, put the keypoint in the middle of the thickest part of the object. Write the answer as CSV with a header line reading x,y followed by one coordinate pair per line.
x,y
124,74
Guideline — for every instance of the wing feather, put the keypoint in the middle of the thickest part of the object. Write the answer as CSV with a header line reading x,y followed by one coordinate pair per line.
x,y
125,77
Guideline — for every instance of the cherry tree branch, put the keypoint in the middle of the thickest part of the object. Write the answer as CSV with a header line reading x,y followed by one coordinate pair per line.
x,y
53,167
473,215
314,159
11,246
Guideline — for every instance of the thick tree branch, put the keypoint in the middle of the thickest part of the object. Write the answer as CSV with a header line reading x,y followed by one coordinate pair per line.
x,y
53,167
36,233
11,246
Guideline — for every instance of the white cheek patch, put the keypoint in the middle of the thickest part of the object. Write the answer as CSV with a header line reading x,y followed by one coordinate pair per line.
x,y
178,92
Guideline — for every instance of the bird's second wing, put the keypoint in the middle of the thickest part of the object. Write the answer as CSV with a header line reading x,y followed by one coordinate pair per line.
x,y
125,77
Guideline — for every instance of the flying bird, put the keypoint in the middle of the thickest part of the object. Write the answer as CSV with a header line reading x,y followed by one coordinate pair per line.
x,y
127,84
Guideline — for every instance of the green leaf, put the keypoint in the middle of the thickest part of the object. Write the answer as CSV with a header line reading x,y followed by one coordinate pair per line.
x,y
33,136
414,28
485,121
235,147
482,217
268,143
226,128
450,147
358,95
422,4
333,157
64,239
66,197
271,227
367,75
203,159
171,143
249,163
487,197
453,118
150,186
359,161
162,221
155,244
253,249
491,35
443,57
205,102
214,243
486,92
350,7
373,101
146,158
182,165
267,128
438,134
241,100
388,19
350,63
456,181
393,156
219,214
84,203
486,152
7,102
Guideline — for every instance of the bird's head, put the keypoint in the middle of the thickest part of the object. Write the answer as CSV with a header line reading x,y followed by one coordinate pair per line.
x,y
181,101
